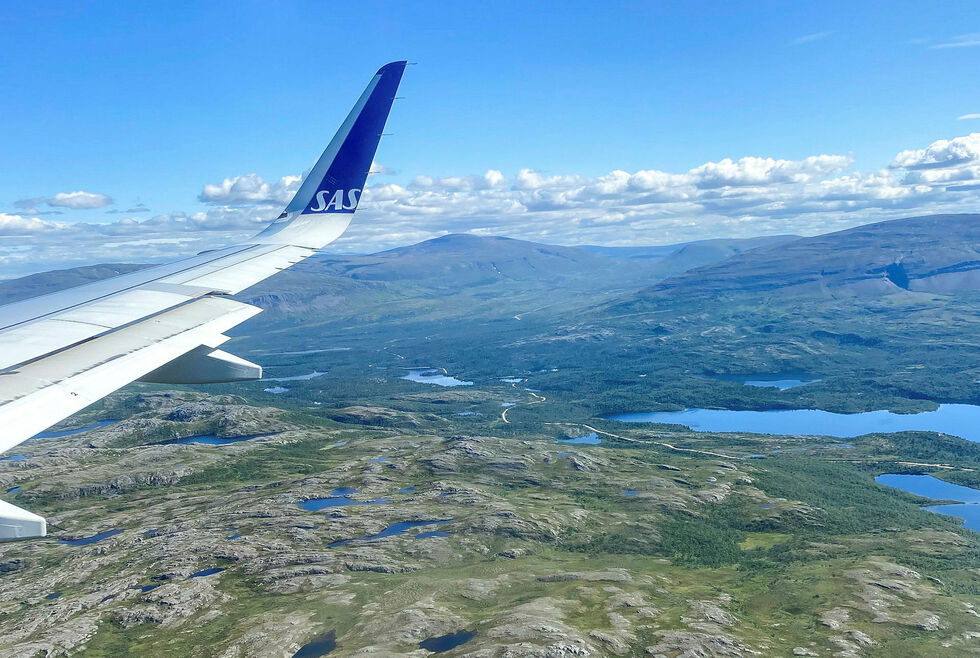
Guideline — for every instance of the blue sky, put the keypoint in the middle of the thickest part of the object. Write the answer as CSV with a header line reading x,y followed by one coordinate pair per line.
x,y
146,105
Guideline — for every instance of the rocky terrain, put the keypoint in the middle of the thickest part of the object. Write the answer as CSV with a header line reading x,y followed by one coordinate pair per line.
x,y
542,549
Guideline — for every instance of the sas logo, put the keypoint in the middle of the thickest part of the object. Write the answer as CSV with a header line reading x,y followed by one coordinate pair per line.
x,y
339,201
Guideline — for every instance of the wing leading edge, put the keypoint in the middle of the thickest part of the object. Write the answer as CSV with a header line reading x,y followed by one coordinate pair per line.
x,y
63,351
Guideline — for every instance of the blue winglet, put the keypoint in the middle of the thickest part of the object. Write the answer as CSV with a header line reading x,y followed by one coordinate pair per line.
x,y
335,183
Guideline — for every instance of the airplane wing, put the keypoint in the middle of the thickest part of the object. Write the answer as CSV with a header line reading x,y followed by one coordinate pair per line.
x,y
63,351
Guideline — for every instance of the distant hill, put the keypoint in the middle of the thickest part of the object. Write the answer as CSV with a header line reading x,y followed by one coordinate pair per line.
x,y
33,285
937,253
707,250
457,260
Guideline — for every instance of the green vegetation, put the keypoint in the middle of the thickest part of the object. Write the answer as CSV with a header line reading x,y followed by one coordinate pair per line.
x,y
796,548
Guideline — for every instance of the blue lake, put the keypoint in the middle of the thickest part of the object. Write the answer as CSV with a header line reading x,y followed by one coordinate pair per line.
x,y
781,384
512,380
447,642
589,439
14,458
782,381
212,440
13,491
390,531
407,490
276,390
84,541
295,378
318,646
968,512
317,504
928,486
233,537
78,430
961,420
431,376
207,572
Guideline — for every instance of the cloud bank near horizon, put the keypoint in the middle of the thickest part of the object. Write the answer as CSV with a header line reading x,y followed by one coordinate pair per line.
x,y
746,197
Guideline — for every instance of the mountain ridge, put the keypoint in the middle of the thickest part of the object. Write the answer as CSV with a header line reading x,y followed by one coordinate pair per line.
x,y
929,254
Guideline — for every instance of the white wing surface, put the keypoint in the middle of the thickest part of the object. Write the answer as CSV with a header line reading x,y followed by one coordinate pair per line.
x,y
63,351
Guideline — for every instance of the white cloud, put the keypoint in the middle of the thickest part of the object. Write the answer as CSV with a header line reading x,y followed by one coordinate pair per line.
x,y
960,41
378,169
809,38
139,207
964,117
250,189
726,198
20,225
941,153
78,200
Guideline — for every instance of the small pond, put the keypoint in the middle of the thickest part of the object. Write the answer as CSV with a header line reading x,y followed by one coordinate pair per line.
x,y
55,434
295,378
447,642
589,439
212,440
84,541
433,376
390,531
318,646
317,504
783,381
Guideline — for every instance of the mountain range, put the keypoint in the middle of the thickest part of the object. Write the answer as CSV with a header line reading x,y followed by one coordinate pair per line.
x,y
934,254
